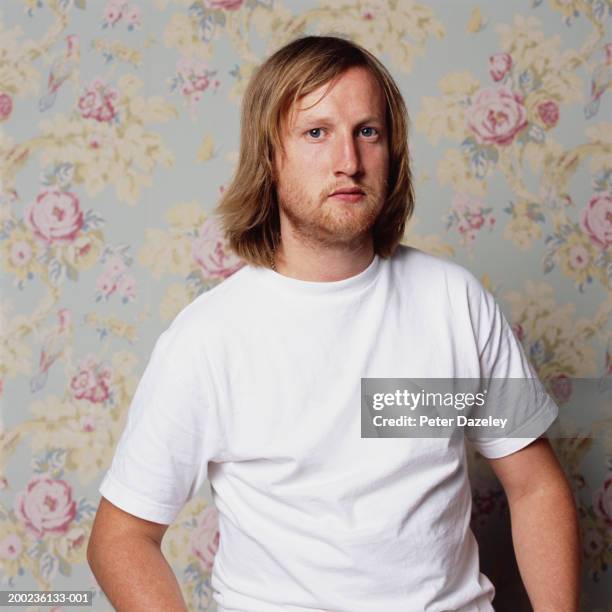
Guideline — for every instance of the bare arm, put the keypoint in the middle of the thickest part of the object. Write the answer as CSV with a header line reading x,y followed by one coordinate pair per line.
x,y
124,554
545,528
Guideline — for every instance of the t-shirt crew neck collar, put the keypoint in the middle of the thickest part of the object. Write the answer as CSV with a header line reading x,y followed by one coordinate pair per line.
x,y
347,285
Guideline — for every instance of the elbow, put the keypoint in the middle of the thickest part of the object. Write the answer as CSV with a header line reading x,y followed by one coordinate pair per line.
x,y
92,551
90,555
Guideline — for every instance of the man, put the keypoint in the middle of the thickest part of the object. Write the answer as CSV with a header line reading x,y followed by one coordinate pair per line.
x,y
256,384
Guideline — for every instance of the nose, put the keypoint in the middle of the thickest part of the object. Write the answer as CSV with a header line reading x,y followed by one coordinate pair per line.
x,y
347,158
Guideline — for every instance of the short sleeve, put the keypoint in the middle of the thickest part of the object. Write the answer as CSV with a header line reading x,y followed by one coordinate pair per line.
x,y
171,434
502,357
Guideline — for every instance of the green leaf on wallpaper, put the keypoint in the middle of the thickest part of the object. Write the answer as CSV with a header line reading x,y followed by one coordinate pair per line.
x,y
80,4
219,18
548,264
37,549
491,153
72,273
48,566
65,568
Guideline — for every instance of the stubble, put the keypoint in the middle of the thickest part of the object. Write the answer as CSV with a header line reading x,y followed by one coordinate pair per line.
x,y
330,222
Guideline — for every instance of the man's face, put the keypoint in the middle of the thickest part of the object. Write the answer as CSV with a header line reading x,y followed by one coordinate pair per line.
x,y
341,143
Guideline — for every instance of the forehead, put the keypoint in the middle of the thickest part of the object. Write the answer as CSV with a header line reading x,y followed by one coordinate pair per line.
x,y
355,92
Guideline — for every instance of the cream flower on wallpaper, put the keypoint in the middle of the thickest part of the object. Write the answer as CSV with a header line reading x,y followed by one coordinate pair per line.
x,y
576,256
525,224
568,8
90,440
87,420
124,362
19,254
85,251
182,34
57,411
15,352
555,341
176,297
165,252
19,75
72,546
14,544
136,150
185,215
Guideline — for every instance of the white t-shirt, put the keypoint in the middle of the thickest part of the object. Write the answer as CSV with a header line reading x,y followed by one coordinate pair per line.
x,y
256,386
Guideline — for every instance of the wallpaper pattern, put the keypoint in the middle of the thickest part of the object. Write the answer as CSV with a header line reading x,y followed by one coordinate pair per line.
x,y
119,129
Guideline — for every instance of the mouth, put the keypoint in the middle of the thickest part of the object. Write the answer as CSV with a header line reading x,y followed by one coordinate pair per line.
x,y
348,195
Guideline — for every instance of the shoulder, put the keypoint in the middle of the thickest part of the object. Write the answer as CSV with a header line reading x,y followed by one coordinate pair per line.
x,y
197,322
433,273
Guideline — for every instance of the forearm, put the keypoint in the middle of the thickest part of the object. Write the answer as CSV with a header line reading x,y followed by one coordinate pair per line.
x,y
135,576
546,540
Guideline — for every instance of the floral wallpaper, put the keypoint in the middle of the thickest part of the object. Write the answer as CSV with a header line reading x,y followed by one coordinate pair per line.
x,y
119,128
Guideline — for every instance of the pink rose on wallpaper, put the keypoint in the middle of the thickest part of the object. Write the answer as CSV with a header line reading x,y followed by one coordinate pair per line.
x,y
113,11
10,547
211,252
46,506
373,9
98,102
55,216
496,115
204,540
105,284
499,64
6,106
91,381
596,220
603,501
469,216
549,113
88,423
126,286
194,73
518,330
592,543
578,257
226,5
608,52
132,17
561,387
20,253
115,278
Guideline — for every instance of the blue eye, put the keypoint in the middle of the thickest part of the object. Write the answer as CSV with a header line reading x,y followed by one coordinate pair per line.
x,y
373,131
310,132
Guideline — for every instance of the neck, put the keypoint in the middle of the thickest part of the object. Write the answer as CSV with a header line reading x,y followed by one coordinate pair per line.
x,y
322,262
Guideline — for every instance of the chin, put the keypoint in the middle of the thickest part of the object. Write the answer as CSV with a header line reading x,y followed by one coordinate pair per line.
x,y
353,222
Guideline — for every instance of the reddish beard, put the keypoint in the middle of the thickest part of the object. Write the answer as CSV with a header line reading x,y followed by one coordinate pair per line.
x,y
329,221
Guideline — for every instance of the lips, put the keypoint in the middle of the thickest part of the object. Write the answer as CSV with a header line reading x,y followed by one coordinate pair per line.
x,y
351,194
348,191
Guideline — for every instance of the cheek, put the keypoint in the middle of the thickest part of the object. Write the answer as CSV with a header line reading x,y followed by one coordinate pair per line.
x,y
383,165
306,167
375,157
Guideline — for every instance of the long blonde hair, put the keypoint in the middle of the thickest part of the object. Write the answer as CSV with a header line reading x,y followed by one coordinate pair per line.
x,y
248,209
